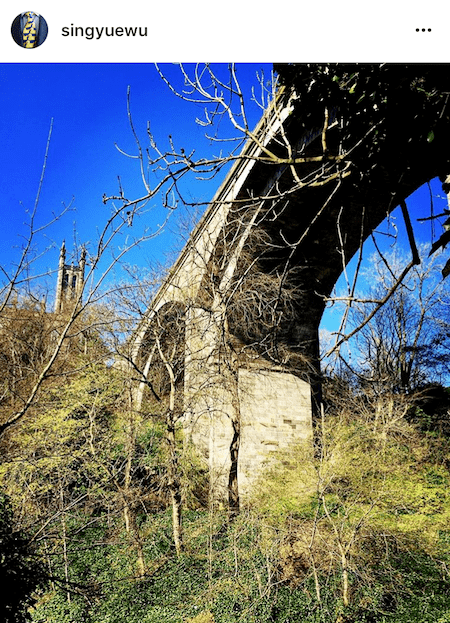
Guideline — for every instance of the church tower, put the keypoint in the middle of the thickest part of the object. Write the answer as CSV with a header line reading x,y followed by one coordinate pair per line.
x,y
70,280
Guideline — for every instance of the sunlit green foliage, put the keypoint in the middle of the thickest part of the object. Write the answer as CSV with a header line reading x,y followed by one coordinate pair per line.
x,y
354,529
361,510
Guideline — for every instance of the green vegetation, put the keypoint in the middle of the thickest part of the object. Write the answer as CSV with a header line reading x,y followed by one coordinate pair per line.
x,y
354,529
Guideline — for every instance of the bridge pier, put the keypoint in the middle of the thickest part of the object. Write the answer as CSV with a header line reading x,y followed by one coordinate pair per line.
x,y
239,410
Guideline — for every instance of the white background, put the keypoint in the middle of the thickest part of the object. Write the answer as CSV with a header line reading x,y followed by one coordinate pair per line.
x,y
239,30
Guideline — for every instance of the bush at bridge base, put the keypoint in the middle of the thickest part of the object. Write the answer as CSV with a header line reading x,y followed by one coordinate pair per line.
x,y
240,576
172,597
356,531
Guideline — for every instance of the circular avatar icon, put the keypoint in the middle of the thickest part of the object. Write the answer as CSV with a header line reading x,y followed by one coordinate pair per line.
x,y
29,29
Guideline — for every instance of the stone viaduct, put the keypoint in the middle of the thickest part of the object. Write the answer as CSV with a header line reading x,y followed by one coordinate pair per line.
x,y
252,280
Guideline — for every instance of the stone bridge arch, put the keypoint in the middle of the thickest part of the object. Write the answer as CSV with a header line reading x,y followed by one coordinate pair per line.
x,y
244,396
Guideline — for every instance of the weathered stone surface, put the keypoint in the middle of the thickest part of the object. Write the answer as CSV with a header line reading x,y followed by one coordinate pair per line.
x,y
273,406
276,414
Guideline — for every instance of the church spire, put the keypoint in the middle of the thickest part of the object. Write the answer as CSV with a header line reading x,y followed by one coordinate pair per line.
x,y
70,281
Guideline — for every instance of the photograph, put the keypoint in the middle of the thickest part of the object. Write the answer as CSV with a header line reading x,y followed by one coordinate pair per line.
x,y
224,318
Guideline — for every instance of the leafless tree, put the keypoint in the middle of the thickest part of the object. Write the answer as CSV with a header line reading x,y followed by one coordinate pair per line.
x,y
404,345
343,141
102,258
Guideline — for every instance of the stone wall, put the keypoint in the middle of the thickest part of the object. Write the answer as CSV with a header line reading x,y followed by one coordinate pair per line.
x,y
273,405
276,414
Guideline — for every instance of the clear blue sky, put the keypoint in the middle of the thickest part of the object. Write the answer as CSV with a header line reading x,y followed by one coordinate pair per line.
x,y
88,105
424,232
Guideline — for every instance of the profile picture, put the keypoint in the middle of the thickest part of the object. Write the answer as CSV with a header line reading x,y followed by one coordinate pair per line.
x,y
29,29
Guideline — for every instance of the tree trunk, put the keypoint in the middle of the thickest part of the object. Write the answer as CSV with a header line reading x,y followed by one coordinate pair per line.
x,y
233,485
64,536
174,484
233,482
129,512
